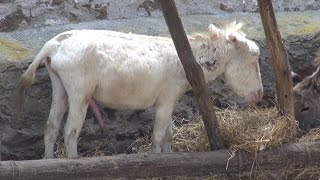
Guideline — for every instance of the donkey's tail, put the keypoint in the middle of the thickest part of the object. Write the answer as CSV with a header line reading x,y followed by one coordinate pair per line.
x,y
29,75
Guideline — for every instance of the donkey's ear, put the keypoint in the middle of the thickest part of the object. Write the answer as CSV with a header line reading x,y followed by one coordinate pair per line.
x,y
214,31
316,77
296,78
238,43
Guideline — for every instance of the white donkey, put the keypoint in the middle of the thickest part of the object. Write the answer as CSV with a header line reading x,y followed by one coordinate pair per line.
x,y
129,71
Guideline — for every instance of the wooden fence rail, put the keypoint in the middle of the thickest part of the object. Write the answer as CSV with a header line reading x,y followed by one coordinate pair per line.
x,y
148,165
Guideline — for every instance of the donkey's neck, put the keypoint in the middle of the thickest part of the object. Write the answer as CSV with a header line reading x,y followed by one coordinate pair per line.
x,y
207,54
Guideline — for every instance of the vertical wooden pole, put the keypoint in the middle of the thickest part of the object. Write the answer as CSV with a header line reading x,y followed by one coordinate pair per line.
x,y
279,58
0,145
194,73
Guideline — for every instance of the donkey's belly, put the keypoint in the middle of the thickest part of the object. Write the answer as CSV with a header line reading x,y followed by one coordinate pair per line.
x,y
127,97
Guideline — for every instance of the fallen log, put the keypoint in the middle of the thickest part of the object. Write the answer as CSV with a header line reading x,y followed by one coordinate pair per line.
x,y
148,165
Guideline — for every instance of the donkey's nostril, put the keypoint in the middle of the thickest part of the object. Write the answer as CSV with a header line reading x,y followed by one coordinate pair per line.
x,y
254,96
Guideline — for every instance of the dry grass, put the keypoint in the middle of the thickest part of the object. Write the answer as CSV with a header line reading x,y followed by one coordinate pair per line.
x,y
312,136
61,151
187,137
292,173
250,129
255,129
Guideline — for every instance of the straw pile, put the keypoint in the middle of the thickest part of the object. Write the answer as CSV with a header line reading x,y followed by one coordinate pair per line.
x,y
312,136
250,129
60,151
255,129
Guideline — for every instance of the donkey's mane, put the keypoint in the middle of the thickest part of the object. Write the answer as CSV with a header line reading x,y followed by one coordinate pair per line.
x,y
310,82
232,27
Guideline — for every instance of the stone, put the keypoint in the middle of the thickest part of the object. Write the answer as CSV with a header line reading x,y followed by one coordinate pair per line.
x,y
11,21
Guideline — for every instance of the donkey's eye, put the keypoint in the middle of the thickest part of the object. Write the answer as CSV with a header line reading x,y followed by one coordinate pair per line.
x,y
256,54
304,109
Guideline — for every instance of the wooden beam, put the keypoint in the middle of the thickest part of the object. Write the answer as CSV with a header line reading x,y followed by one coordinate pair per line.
x,y
194,73
280,62
147,165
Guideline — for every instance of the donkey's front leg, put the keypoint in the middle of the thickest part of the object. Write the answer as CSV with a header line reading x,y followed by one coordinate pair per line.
x,y
162,131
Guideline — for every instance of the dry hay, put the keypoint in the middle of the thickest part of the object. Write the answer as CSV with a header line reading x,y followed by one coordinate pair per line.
x,y
290,172
255,129
60,151
312,136
249,129
187,137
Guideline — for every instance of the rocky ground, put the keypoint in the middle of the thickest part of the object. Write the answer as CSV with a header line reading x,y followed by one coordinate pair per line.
x,y
38,21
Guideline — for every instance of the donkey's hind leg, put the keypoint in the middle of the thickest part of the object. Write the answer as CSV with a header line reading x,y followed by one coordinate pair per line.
x,y
59,107
79,97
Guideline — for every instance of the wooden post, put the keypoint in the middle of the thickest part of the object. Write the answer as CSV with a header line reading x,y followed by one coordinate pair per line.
x,y
279,58
0,145
194,73
149,165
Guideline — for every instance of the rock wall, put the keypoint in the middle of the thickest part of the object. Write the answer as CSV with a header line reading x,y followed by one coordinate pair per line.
x,y
58,12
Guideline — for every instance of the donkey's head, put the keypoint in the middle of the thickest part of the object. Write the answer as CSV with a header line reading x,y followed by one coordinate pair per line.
x,y
306,96
241,56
